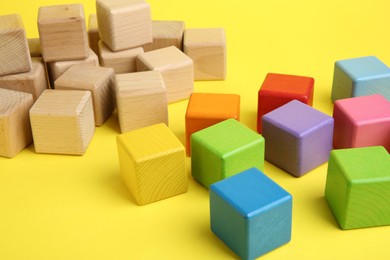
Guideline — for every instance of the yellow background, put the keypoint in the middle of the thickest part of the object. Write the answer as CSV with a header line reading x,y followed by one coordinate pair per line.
x,y
77,207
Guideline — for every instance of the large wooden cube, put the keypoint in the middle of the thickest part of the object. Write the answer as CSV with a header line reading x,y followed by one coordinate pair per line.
x,y
165,34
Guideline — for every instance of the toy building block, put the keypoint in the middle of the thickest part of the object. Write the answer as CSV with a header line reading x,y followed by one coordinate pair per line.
x,y
360,77
362,121
34,46
165,34
14,52
152,163
141,100
62,32
207,48
33,82
358,187
15,129
250,213
207,109
299,137
177,70
99,80
279,89
124,24
120,61
62,122
225,149
93,33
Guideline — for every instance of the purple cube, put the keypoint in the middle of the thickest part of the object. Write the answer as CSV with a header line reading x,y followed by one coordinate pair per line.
x,y
298,138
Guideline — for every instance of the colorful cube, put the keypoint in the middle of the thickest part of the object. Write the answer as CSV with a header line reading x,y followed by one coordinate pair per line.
x,y
223,150
165,34
298,137
358,187
250,213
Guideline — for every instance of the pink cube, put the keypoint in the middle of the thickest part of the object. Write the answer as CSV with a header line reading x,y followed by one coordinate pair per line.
x,y
362,121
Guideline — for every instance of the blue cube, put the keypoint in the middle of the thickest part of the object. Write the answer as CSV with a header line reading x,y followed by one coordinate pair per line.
x,y
250,213
360,77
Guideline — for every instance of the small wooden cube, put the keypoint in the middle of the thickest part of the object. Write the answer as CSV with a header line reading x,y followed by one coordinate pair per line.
x,y
15,129
165,34
358,187
124,24
93,33
33,82
62,122
207,109
177,70
62,32
142,100
121,61
34,45
207,48
14,52
152,163
99,80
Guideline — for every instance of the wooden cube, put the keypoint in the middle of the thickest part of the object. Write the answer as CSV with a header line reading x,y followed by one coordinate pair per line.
x,y
121,61
223,150
33,82
34,45
62,32
358,187
124,24
362,121
142,100
177,70
165,34
14,52
99,80
207,48
93,33
62,122
207,109
279,89
250,213
152,163
15,129
299,137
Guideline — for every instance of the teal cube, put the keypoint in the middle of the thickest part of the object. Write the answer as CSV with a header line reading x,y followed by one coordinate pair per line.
x,y
223,150
250,213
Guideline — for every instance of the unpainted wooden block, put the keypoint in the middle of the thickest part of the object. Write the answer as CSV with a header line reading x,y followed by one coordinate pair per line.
x,y
165,34
15,129
33,82
141,100
14,52
93,33
34,45
121,61
152,163
207,48
124,24
62,122
62,32
177,70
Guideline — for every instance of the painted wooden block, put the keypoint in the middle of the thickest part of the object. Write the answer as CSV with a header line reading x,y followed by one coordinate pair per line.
x,y
250,213
99,80
34,46
62,32
358,187
165,34
360,77
124,24
152,163
225,149
121,61
62,122
362,121
33,82
299,137
207,48
93,33
14,52
207,109
15,129
177,70
141,100
279,89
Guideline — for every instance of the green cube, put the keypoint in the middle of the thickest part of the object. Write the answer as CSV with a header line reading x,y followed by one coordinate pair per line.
x,y
223,150
358,187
